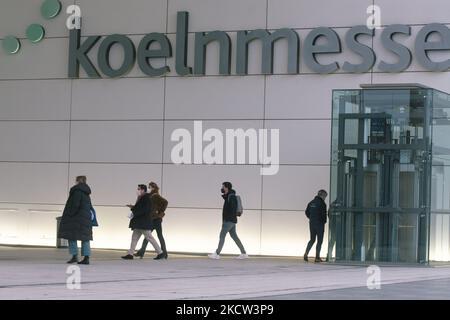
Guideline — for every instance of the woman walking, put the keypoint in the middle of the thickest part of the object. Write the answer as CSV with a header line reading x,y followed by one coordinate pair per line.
x,y
76,223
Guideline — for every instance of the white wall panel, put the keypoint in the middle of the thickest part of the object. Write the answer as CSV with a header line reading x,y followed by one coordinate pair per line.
x,y
306,96
294,186
215,98
303,141
33,182
413,11
13,222
318,13
117,141
34,141
46,60
209,15
118,99
35,100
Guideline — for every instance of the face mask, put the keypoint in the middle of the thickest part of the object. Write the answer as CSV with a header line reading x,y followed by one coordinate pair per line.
x,y
222,190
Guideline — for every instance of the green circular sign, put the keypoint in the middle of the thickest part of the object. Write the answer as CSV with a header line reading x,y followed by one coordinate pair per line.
x,y
50,8
35,33
11,45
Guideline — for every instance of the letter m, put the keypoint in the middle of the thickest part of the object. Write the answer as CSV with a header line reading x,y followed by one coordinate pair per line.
x,y
268,41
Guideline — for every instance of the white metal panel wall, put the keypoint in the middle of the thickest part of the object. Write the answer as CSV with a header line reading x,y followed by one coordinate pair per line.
x,y
120,129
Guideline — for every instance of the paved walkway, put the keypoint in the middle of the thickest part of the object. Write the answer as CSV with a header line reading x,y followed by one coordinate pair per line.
x,y
40,273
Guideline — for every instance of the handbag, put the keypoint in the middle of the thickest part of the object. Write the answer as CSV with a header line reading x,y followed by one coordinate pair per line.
x,y
94,217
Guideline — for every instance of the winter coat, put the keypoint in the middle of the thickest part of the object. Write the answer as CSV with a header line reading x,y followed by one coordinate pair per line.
x,y
159,205
76,223
141,214
317,211
229,207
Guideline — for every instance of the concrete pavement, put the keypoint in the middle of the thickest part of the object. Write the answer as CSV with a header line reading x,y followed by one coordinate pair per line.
x,y
40,273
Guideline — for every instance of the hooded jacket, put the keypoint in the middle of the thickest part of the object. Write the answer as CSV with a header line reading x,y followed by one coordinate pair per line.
x,y
229,207
317,211
76,223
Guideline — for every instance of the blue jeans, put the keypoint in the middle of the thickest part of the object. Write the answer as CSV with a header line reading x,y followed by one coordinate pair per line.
x,y
85,248
229,227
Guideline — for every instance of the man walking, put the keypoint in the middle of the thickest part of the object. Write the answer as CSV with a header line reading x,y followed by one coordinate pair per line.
x,y
317,215
141,223
229,221
157,213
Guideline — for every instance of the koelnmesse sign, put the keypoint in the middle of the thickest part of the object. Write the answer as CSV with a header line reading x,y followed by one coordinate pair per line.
x,y
158,45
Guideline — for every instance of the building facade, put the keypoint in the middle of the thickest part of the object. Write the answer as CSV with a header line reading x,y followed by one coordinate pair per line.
x,y
117,131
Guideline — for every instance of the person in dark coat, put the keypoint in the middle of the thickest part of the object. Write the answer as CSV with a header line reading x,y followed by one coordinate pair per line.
x,y
229,221
157,213
141,223
76,223
316,212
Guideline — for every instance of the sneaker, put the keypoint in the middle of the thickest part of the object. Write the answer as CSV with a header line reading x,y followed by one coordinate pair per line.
x,y
214,256
318,260
242,256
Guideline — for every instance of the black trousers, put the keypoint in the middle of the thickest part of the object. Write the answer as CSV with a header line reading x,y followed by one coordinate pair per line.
x,y
316,231
156,225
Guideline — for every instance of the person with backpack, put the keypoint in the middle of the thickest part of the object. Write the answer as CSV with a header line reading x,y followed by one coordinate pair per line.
x,y
157,213
232,208
141,222
76,222
316,211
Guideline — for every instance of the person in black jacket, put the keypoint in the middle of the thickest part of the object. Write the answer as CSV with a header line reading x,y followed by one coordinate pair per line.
x,y
229,221
159,206
141,223
76,223
317,215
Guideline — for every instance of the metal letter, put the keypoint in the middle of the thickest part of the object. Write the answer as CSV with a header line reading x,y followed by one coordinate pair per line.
x,y
311,49
145,53
367,54
423,46
104,52
403,53
202,39
78,55
268,40
181,45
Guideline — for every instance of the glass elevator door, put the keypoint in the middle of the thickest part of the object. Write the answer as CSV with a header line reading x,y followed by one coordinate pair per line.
x,y
381,169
